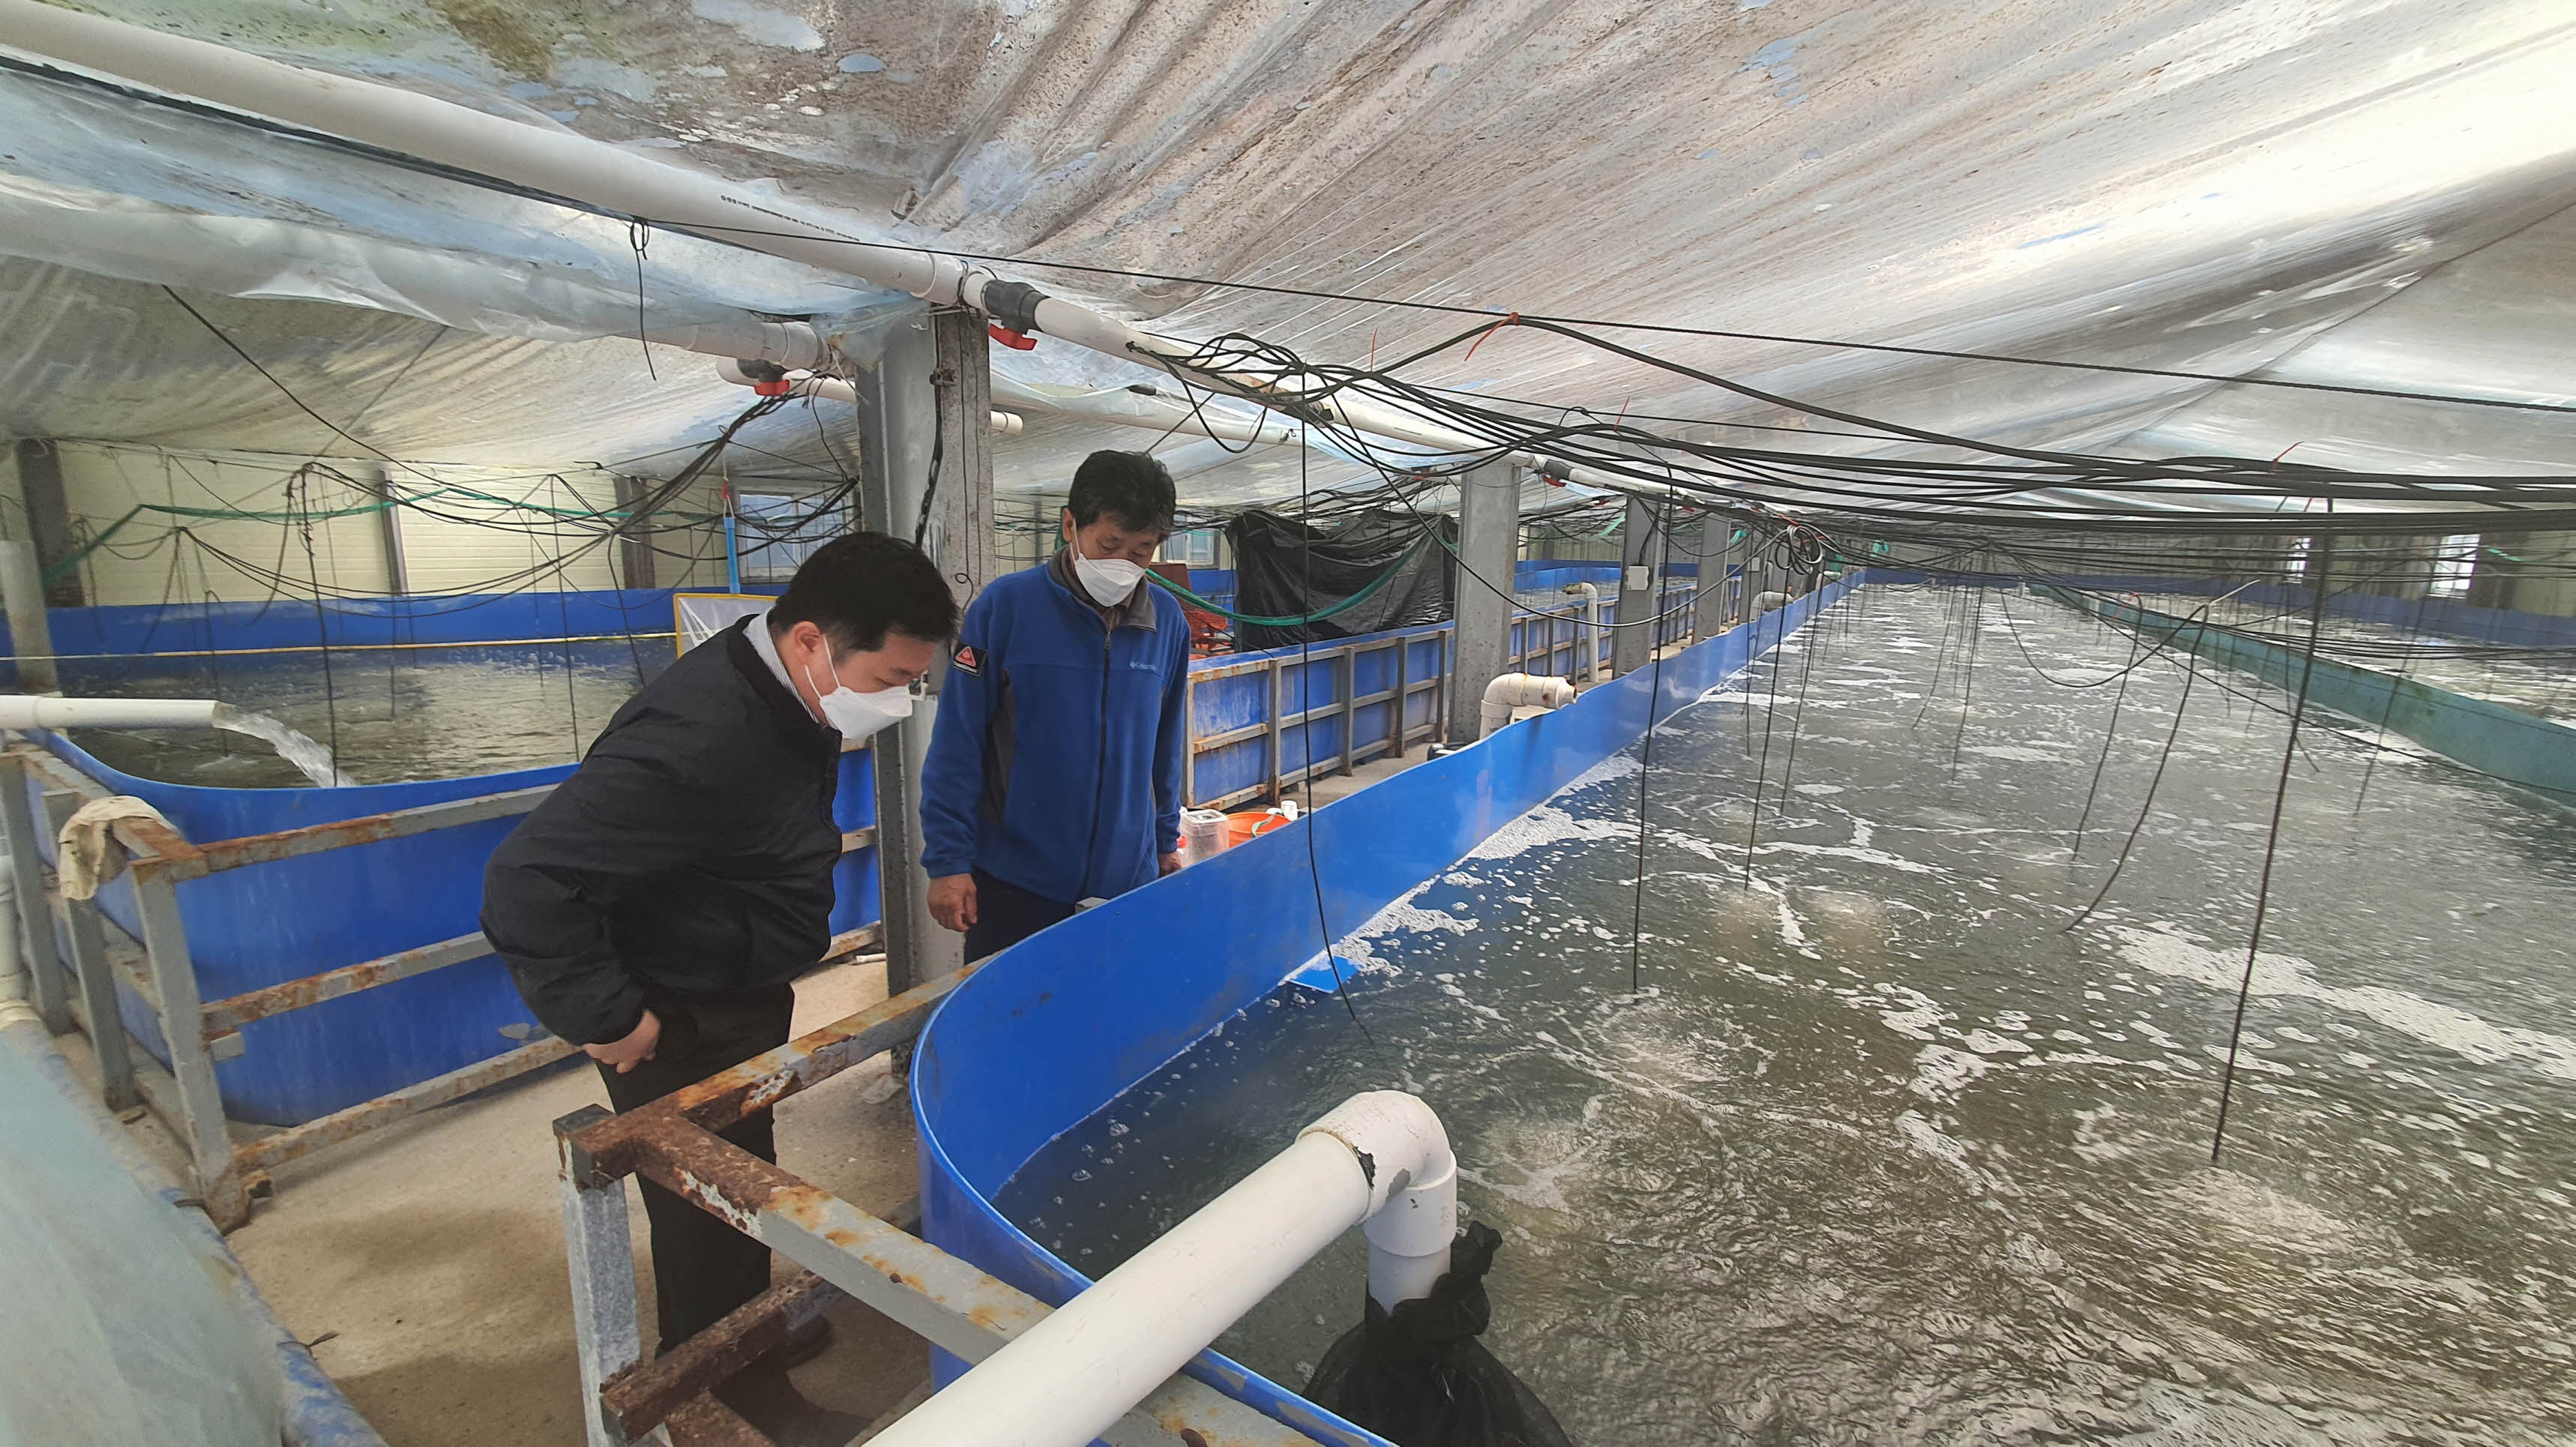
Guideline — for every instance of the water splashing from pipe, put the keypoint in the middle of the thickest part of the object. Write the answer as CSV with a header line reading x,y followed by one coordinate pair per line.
x,y
304,752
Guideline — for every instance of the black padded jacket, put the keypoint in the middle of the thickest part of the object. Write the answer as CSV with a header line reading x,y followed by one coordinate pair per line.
x,y
690,856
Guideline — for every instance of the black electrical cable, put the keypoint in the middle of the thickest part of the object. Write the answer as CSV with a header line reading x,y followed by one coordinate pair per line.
x,y
1648,549
1306,751
2271,846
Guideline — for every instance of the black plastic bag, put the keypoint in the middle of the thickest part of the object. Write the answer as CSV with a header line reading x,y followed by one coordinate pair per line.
x,y
1419,1377
1286,569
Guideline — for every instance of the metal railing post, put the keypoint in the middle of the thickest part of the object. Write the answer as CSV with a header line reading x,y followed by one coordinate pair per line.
x,y
1189,741
1403,663
1350,699
87,942
183,1026
1278,738
1448,652
607,1327
36,917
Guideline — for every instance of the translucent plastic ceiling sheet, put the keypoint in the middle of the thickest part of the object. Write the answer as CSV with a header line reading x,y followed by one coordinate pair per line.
x,y
87,357
2205,185
98,181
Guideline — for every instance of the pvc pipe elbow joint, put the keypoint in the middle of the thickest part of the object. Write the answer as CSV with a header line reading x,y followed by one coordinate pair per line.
x,y
1413,1188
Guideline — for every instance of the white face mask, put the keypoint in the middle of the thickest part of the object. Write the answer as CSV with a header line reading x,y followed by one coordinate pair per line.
x,y
1107,580
856,714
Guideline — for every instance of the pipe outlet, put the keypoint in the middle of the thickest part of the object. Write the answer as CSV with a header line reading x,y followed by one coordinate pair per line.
x,y
1519,690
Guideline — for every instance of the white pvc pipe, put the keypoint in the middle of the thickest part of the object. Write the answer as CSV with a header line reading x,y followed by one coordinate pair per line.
x,y
794,345
1591,597
1124,409
44,711
1519,690
1065,1380
1766,602
631,184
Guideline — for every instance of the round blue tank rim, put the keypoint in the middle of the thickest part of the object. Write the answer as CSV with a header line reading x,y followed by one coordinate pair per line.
x,y
118,780
1256,1391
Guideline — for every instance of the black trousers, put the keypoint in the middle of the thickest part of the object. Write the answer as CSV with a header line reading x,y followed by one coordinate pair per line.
x,y
703,1268
1006,914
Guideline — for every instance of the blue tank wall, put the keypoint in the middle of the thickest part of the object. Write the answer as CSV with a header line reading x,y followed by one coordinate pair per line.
x,y
1053,1030
2507,743
2508,626
268,923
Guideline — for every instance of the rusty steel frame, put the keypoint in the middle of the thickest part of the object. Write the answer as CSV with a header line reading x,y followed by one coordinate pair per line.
x,y
844,1252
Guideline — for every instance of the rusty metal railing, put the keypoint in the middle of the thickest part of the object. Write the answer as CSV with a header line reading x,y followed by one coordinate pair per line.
x,y
842,1250
77,957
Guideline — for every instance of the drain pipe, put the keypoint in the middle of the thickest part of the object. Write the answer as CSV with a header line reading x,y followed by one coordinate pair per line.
x,y
1380,1157
604,177
1519,690
1591,596
44,711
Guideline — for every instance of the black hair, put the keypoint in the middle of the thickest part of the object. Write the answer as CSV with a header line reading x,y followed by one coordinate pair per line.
x,y
1133,488
857,588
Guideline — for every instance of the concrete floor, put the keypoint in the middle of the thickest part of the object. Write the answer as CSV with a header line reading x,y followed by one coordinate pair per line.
x,y
426,1260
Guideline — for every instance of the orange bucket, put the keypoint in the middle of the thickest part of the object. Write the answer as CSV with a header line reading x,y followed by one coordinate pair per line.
x,y
1239,827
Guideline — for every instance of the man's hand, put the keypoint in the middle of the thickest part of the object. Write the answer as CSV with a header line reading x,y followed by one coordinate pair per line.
x,y
1172,862
632,1051
952,901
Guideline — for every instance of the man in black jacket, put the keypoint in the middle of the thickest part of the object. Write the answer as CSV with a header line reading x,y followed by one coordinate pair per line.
x,y
654,908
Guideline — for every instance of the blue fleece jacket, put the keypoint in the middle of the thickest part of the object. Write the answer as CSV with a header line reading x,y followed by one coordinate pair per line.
x,y
1056,761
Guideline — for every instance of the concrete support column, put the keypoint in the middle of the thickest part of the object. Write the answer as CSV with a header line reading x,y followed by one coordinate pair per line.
x,y
49,518
1715,555
31,637
1489,531
635,545
898,406
380,481
1642,549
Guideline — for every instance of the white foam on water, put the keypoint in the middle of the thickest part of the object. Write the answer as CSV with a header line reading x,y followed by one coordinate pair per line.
x,y
2159,949
1987,1042
1921,1135
1790,934
1399,918
2242,1205
1941,1072
2017,753
1846,851
1544,825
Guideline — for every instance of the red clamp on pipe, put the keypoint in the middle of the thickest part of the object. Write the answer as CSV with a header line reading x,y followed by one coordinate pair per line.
x,y
1014,340
777,387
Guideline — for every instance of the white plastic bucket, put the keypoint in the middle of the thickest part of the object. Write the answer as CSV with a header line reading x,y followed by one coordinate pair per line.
x,y
1203,835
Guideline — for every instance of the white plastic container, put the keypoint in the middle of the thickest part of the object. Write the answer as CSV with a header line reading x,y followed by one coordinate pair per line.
x,y
1203,835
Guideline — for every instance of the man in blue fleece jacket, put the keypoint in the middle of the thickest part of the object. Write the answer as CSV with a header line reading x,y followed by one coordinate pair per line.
x,y
1054,773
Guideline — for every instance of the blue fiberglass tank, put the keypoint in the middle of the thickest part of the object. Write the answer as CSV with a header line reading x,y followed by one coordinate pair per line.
x,y
268,923
283,920
1052,1031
